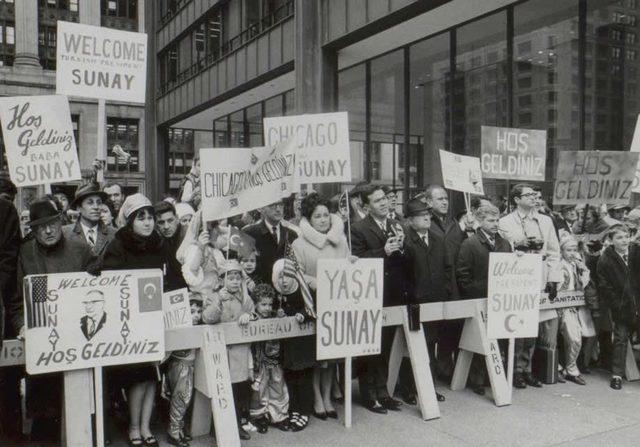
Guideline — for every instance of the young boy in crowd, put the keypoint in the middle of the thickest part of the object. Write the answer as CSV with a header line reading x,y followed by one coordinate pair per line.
x,y
233,303
248,263
617,285
269,397
180,379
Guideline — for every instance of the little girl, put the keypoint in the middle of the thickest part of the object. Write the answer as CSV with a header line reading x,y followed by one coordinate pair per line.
x,y
180,379
233,303
270,398
575,322
248,263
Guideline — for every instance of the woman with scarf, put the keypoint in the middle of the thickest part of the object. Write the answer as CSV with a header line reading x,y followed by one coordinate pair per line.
x,y
138,246
322,237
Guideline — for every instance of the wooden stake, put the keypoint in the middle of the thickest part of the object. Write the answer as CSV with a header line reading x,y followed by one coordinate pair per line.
x,y
97,389
510,361
347,392
101,147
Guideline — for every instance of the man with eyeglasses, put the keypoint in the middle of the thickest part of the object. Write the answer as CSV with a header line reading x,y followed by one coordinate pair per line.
x,y
531,232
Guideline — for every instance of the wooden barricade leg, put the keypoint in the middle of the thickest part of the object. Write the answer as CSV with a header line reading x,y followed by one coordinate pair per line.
x,y
201,416
474,340
631,367
218,377
414,343
78,408
398,352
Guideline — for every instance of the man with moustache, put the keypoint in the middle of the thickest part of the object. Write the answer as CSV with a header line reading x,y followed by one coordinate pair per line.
x,y
89,229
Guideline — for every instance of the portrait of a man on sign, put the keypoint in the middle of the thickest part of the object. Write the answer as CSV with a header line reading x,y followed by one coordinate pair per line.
x,y
95,317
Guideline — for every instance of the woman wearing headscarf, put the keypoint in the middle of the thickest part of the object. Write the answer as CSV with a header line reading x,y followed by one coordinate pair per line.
x,y
138,246
321,237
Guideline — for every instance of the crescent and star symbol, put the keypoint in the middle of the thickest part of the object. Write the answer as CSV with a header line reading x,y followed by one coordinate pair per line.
x,y
508,325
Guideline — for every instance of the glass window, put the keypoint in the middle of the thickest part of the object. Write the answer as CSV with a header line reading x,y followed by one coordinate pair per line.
x,y
552,62
124,132
237,130
254,123
387,119
614,88
352,99
273,106
221,132
475,102
429,103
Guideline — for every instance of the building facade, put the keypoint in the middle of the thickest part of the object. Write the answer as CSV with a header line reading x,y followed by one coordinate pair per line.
x,y
415,76
27,67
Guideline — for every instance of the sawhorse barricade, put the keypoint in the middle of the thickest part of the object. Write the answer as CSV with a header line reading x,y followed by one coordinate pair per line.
x,y
213,393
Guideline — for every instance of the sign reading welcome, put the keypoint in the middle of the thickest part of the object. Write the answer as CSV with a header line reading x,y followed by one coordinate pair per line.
x,y
595,177
349,300
77,321
513,303
38,139
102,63
233,181
513,154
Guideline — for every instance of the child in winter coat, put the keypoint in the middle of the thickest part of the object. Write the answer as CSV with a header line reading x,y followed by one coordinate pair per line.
x,y
180,379
233,303
270,397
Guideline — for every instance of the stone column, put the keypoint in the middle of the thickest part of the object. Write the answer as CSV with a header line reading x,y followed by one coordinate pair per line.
x,y
141,16
90,12
26,14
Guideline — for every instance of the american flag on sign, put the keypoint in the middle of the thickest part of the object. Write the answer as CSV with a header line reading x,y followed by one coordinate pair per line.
x,y
37,305
292,269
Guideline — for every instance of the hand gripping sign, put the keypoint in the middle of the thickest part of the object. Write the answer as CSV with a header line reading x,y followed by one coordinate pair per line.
x,y
77,321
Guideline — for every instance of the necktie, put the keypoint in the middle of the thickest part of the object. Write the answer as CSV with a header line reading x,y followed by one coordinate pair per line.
x,y
92,327
274,231
426,240
91,237
625,257
492,242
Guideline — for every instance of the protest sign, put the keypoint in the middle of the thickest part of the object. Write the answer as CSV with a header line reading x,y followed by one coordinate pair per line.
x,y
349,304
100,62
513,304
571,298
461,172
594,177
77,321
321,143
176,309
513,154
39,142
237,180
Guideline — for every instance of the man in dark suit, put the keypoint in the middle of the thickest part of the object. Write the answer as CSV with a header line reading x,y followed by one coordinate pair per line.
x,y
472,272
376,236
89,229
448,229
565,219
392,197
95,317
272,237
429,278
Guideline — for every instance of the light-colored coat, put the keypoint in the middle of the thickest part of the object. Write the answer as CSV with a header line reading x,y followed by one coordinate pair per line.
x,y
313,245
223,307
511,229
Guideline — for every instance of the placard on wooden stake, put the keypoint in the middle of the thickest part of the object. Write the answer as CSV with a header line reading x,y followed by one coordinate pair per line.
x,y
216,384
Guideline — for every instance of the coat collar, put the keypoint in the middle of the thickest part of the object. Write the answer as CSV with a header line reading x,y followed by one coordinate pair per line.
x,y
319,240
373,225
101,228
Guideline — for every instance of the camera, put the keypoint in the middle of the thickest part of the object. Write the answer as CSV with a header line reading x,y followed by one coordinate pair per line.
x,y
531,245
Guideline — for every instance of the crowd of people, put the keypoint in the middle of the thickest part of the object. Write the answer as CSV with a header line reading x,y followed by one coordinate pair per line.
x,y
430,254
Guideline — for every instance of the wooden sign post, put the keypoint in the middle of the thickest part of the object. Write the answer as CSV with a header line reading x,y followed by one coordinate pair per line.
x,y
218,387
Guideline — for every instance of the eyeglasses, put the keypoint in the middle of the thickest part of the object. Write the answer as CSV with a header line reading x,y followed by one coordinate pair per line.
x,y
529,194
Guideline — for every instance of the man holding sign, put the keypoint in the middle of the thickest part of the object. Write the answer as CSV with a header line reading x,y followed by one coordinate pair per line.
x,y
47,252
531,232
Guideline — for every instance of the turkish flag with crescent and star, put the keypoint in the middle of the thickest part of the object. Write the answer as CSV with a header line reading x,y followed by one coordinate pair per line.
x,y
241,242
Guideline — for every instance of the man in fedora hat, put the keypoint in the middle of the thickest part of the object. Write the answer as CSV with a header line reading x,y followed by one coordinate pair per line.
x,y
48,251
429,278
89,229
